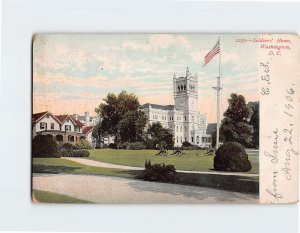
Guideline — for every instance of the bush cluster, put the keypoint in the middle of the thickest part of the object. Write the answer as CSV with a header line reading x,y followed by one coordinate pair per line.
x,y
231,156
84,144
70,150
158,172
132,145
44,146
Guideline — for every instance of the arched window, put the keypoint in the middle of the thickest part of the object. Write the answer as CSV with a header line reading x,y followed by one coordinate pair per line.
x,y
180,128
178,88
181,87
184,87
177,128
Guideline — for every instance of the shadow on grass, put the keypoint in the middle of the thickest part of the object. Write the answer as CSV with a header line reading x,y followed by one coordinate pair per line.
x,y
40,168
223,182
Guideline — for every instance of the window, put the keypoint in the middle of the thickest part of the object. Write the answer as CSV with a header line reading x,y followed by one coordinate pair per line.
x,y
184,118
177,139
176,128
52,125
185,128
192,139
43,125
181,139
180,128
67,127
47,116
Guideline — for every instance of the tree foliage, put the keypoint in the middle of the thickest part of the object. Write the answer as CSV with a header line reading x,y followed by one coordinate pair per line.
x,y
254,121
161,136
121,118
235,126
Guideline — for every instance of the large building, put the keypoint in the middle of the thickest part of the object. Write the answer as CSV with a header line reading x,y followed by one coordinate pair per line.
x,y
183,118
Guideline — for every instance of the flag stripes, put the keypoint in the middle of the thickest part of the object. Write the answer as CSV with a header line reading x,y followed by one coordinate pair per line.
x,y
215,50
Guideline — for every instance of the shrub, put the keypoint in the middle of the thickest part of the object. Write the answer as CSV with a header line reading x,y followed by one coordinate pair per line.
x,y
68,146
150,144
81,153
112,145
231,156
158,172
104,146
186,144
136,146
67,150
44,146
66,153
84,144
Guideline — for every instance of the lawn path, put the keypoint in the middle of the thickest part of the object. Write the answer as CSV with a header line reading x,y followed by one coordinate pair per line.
x,y
104,189
94,163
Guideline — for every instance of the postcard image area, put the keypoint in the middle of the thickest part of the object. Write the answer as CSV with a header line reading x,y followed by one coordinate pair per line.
x,y
165,118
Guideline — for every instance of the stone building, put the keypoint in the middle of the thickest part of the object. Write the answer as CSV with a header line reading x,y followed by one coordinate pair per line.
x,y
183,118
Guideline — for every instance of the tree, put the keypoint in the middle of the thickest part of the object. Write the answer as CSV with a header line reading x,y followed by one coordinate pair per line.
x,y
254,121
235,126
121,117
160,135
214,137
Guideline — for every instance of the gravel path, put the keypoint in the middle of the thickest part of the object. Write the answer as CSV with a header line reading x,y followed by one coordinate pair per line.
x,y
104,189
94,163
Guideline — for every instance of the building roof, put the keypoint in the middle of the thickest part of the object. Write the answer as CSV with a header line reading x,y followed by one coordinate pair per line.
x,y
87,129
62,118
37,116
211,128
157,106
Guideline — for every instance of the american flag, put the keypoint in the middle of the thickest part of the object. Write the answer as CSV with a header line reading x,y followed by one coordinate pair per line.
x,y
215,50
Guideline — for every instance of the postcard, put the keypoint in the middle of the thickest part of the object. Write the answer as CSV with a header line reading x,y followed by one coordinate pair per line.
x,y
165,118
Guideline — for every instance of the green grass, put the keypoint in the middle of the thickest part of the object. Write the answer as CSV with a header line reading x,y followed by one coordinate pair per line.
x,y
189,161
49,197
60,165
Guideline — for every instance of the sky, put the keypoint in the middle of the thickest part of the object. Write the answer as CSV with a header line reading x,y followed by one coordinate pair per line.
x,y
72,73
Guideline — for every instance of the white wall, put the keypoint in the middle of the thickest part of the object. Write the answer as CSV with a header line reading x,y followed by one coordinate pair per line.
x,y
47,120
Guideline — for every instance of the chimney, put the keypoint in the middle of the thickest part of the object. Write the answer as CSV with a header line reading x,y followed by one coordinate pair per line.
x,y
75,116
86,117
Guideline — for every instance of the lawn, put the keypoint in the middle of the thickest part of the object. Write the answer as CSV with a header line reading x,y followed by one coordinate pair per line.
x,y
191,161
60,165
63,166
49,197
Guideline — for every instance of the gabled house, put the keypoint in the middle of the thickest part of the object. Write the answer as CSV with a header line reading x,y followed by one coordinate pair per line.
x,y
63,128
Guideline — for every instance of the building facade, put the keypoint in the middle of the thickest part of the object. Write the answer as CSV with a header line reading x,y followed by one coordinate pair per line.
x,y
183,118
63,128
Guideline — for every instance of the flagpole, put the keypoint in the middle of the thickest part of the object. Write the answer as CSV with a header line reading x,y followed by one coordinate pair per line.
x,y
218,88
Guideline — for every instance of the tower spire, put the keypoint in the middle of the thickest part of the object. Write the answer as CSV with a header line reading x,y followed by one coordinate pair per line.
x,y
187,71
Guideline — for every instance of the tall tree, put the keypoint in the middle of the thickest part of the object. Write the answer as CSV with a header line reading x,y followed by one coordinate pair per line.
x,y
235,125
121,117
160,135
254,121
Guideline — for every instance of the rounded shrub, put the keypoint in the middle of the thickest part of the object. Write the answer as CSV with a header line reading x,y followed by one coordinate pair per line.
x,y
81,153
44,146
231,156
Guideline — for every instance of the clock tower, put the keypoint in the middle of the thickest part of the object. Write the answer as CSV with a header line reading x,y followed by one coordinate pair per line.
x,y
186,92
